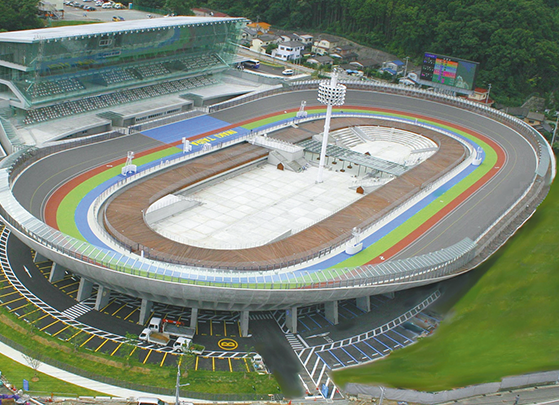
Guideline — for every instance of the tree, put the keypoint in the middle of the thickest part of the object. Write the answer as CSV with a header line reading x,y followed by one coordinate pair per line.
x,y
179,7
34,364
19,15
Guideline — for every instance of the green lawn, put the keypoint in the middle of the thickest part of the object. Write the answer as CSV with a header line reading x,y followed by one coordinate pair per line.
x,y
16,373
506,324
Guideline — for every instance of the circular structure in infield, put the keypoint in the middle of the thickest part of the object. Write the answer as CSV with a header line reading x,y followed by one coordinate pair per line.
x,y
432,222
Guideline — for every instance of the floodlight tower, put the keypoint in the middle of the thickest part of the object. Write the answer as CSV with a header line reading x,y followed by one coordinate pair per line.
x,y
330,93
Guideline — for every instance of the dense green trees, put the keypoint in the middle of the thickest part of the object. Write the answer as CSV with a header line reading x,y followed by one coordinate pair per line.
x,y
515,41
19,15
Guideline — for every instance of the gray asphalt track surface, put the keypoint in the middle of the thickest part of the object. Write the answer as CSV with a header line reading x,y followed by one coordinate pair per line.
x,y
35,185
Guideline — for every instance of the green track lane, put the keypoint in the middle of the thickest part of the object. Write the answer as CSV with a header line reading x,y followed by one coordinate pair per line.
x,y
65,215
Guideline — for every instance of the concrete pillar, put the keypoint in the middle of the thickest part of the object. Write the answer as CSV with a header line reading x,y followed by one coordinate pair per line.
x,y
57,273
291,319
103,296
331,312
39,258
244,323
145,311
85,290
364,303
194,317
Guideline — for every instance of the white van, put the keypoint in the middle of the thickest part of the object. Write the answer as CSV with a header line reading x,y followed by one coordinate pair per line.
x,y
149,401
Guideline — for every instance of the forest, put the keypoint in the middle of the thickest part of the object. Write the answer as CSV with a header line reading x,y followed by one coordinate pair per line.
x,y
515,41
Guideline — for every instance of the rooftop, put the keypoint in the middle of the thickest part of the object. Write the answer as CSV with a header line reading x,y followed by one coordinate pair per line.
x,y
54,33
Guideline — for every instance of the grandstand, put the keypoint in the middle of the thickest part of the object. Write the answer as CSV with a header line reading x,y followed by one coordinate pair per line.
x,y
52,73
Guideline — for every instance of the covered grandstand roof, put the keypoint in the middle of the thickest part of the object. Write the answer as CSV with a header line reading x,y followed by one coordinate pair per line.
x,y
30,36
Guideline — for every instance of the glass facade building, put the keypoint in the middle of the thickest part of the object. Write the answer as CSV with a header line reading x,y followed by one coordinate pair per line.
x,y
54,65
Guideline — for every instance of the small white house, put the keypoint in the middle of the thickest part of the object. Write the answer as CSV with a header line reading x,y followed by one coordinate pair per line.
x,y
290,50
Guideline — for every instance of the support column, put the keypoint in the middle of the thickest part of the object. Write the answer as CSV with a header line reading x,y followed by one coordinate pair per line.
x,y
194,317
364,303
39,258
244,323
103,296
57,273
85,290
291,319
145,311
331,312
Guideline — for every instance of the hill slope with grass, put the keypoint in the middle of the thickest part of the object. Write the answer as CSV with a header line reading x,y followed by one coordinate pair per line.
x,y
506,324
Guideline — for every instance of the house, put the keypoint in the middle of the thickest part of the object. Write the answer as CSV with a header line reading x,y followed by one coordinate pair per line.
x,y
261,27
365,64
534,119
394,67
306,40
481,96
323,46
289,37
248,34
346,52
290,50
260,43
320,60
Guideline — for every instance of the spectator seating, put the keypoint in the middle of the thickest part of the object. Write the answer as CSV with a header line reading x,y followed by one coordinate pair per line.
x,y
93,103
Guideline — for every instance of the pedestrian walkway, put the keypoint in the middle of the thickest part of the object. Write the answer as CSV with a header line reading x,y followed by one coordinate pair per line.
x,y
102,388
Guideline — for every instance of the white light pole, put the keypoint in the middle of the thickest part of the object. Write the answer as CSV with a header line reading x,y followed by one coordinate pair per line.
x,y
330,93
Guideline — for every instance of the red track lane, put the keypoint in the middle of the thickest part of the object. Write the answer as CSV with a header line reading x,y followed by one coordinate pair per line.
x,y
56,198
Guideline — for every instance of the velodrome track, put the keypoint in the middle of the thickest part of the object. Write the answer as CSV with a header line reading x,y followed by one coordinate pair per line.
x,y
36,184
469,209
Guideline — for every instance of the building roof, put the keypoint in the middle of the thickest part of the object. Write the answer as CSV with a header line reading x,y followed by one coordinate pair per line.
x,y
55,33
293,44
321,59
267,37
260,25
535,116
398,62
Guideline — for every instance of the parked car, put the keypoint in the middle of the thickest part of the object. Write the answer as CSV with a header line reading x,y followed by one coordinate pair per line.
x,y
118,18
288,72
107,5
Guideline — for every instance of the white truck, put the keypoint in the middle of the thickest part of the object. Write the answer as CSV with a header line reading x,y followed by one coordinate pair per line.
x,y
152,336
172,328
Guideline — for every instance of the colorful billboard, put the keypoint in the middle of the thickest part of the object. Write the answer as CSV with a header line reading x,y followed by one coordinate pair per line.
x,y
448,71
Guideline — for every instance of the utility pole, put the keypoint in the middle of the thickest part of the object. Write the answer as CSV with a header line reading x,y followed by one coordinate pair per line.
x,y
406,67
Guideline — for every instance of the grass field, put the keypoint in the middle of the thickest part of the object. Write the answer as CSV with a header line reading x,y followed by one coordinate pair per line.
x,y
506,324
16,373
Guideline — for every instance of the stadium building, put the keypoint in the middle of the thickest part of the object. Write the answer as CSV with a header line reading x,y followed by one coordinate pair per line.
x,y
59,72
119,79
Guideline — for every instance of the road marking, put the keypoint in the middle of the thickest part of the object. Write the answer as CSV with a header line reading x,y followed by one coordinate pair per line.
x,y
118,347
150,352
101,345
230,368
62,330
163,360
91,337
27,271
227,344
23,306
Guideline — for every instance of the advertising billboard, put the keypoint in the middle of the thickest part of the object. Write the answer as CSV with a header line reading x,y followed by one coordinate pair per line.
x,y
448,71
